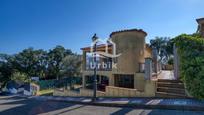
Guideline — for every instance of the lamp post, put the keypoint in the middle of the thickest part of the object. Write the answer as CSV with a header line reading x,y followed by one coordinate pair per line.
x,y
94,38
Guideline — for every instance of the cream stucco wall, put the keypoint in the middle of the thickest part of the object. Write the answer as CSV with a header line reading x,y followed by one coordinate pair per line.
x,y
132,47
139,81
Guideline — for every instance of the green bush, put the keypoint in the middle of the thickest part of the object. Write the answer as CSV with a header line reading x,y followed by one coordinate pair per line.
x,y
171,61
191,53
18,76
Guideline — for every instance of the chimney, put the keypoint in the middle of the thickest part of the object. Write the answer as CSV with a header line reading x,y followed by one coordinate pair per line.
x,y
200,29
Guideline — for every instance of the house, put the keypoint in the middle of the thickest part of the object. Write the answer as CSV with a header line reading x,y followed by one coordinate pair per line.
x,y
129,68
130,71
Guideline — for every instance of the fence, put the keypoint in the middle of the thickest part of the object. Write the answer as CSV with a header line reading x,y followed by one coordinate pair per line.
x,y
65,82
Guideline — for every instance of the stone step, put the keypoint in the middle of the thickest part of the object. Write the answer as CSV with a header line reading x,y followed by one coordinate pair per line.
x,y
170,95
170,81
171,90
170,85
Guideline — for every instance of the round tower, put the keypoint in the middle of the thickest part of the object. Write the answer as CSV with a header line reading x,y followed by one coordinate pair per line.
x,y
131,45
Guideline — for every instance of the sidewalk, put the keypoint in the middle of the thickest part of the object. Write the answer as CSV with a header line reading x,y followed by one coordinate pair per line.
x,y
145,103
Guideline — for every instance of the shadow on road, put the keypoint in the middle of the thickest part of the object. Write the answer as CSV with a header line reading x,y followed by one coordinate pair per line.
x,y
122,111
24,106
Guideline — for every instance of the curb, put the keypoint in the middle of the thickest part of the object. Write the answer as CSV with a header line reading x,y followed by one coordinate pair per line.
x,y
137,106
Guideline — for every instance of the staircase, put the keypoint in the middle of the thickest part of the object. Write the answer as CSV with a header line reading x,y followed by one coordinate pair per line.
x,y
170,89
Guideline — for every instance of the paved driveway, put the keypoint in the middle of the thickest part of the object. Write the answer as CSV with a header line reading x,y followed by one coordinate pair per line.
x,y
12,105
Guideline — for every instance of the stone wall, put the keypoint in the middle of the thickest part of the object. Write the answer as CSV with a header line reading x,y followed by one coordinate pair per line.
x,y
83,92
111,91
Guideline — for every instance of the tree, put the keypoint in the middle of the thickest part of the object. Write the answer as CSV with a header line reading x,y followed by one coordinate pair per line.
x,y
25,62
41,65
56,63
31,62
164,46
18,76
71,67
6,69
55,57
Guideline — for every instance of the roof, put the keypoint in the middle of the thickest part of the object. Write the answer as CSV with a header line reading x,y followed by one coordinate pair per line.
x,y
129,30
200,19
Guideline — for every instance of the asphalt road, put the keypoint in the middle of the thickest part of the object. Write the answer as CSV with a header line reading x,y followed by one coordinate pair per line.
x,y
12,105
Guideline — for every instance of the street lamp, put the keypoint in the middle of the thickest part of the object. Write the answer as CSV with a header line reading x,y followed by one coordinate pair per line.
x,y
94,38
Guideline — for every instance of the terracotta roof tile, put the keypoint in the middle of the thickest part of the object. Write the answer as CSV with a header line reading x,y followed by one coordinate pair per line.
x,y
129,30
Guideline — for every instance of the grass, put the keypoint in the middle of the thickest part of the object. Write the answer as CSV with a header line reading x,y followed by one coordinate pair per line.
x,y
46,92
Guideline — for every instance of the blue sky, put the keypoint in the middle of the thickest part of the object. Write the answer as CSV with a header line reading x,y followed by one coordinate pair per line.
x,y
43,24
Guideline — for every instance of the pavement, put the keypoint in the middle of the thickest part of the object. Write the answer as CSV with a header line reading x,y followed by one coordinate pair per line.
x,y
18,105
144,103
166,74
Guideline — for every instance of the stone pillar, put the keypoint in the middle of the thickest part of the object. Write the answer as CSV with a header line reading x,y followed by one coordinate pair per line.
x,y
155,60
148,68
176,63
84,60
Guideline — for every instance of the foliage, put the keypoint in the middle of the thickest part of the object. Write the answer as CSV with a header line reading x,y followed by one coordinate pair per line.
x,y
30,61
6,69
54,64
164,46
71,65
17,76
55,58
191,53
171,61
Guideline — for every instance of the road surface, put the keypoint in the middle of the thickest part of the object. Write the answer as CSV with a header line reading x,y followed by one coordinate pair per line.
x,y
12,105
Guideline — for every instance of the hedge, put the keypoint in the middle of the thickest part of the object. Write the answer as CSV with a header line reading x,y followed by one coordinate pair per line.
x,y
191,53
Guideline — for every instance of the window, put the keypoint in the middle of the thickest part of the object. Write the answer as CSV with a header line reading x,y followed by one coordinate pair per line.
x,y
126,81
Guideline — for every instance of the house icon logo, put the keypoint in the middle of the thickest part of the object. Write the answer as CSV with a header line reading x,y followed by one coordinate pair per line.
x,y
105,54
